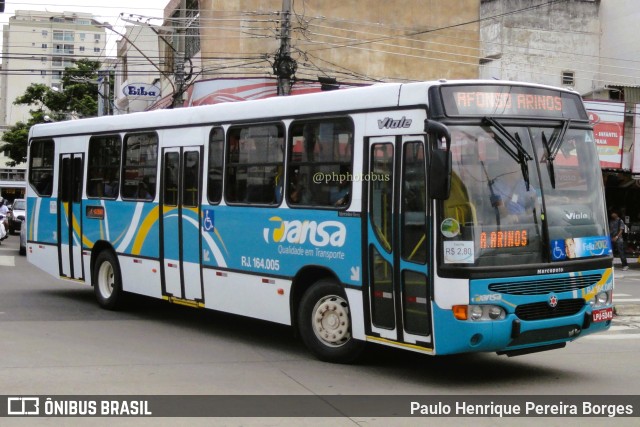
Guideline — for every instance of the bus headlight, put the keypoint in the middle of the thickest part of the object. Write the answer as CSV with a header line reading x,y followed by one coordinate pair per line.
x,y
602,298
479,312
495,313
475,312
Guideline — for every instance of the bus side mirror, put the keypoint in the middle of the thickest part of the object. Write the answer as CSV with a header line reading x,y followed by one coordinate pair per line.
x,y
440,165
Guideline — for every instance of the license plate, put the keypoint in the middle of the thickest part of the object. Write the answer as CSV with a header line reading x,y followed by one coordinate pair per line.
x,y
603,315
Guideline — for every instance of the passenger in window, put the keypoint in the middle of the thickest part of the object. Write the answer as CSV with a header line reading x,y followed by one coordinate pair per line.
x,y
111,189
45,186
171,175
298,193
110,186
143,191
341,196
278,186
412,197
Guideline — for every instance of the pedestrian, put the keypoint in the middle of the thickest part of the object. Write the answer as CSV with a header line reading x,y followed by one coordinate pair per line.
x,y
616,228
4,222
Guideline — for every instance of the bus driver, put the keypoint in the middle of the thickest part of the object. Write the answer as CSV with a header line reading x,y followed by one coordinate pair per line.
x,y
509,193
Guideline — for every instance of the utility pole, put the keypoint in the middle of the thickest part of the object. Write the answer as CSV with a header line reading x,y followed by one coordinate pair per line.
x,y
179,56
104,90
284,66
104,101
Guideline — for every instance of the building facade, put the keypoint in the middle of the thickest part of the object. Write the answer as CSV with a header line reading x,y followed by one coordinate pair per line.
x,y
37,46
137,71
589,46
357,43
330,40
620,82
554,43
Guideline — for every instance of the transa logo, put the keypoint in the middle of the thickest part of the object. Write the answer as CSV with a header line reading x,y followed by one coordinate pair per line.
x,y
320,234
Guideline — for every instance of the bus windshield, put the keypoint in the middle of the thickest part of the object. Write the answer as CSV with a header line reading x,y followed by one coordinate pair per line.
x,y
522,195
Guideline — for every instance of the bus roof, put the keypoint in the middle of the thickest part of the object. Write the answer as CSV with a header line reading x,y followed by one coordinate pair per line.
x,y
382,95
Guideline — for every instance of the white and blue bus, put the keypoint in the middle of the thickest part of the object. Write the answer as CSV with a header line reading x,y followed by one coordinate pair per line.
x,y
440,217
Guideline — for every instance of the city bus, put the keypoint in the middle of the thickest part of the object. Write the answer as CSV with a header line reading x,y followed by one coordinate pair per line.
x,y
439,217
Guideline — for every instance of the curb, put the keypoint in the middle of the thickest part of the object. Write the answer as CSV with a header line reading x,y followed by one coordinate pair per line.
x,y
627,310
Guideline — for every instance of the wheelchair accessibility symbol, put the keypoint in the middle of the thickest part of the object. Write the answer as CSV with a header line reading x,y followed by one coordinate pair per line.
x,y
558,250
207,221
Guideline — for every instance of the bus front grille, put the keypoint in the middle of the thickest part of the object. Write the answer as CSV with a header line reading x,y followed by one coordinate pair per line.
x,y
542,310
546,286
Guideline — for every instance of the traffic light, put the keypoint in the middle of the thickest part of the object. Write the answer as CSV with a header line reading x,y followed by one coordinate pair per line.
x,y
1,6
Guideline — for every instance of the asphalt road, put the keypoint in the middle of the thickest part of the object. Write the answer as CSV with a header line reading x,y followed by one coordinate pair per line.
x,y
54,340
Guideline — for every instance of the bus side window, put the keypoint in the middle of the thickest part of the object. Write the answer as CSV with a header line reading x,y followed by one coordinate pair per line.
x,y
320,163
41,158
103,171
171,166
381,193
140,166
414,206
216,157
190,186
254,160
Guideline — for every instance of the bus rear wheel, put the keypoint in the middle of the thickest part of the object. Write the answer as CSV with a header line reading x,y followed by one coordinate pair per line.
x,y
107,282
324,322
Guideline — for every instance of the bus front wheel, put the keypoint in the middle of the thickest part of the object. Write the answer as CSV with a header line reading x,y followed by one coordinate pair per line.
x,y
107,282
324,322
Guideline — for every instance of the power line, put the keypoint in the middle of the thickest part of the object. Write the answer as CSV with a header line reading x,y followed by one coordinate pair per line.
x,y
413,52
556,52
447,27
351,40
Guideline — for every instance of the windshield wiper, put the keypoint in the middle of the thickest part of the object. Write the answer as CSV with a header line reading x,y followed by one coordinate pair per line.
x,y
550,170
552,147
520,154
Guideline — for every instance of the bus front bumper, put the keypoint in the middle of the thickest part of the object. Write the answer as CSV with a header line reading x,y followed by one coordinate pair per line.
x,y
513,336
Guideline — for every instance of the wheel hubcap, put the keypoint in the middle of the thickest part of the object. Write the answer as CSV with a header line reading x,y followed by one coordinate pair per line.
x,y
106,279
331,321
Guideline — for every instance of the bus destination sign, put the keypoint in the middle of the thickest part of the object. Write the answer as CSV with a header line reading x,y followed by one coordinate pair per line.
x,y
523,101
503,239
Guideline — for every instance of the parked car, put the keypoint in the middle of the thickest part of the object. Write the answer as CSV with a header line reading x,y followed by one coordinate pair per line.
x,y
16,215
23,238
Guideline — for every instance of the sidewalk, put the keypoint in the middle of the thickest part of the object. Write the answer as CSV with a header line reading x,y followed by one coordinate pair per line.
x,y
626,309
631,260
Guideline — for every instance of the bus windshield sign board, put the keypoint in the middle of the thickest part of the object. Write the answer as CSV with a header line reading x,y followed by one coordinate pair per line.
x,y
505,100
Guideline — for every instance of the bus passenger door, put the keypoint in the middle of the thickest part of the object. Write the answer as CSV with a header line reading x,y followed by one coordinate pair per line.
x,y
180,204
397,234
70,215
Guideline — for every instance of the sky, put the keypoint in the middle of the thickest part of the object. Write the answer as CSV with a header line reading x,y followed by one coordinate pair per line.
x,y
103,10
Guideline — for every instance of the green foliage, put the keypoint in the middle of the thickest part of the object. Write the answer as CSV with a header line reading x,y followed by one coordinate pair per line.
x,y
79,98
15,143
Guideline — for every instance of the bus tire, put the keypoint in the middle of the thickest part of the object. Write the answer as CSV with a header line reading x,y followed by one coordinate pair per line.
x,y
107,281
324,323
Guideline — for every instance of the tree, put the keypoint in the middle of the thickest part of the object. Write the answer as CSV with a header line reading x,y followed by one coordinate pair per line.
x,y
78,98
15,143
81,88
